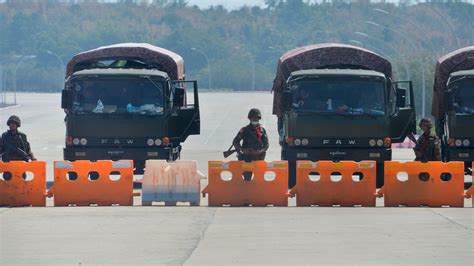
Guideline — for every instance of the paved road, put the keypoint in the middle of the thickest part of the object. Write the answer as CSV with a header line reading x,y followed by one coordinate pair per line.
x,y
203,235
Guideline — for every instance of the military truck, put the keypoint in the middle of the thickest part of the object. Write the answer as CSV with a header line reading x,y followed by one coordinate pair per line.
x,y
128,101
453,105
338,102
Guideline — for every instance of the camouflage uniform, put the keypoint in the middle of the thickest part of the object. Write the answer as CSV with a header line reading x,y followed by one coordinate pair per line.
x,y
14,139
254,139
428,148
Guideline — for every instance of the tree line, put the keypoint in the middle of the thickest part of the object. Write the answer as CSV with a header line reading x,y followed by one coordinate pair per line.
x,y
238,48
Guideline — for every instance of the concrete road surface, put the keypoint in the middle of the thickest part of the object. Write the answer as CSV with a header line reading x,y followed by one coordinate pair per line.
x,y
203,235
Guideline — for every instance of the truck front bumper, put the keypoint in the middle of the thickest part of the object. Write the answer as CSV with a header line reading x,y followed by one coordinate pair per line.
x,y
460,154
136,154
337,154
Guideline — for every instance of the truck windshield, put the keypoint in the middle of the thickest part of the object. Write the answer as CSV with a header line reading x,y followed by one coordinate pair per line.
x,y
118,95
464,97
354,96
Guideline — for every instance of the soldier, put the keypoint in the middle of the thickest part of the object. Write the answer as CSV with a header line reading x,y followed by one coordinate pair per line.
x,y
13,144
428,144
254,139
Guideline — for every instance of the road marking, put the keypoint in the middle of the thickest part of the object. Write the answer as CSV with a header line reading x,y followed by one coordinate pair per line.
x,y
218,125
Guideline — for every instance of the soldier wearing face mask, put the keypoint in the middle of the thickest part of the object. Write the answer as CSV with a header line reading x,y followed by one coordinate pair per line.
x,y
253,137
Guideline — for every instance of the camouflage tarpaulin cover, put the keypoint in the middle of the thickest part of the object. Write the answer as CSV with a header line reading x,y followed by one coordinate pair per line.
x,y
461,59
168,61
326,55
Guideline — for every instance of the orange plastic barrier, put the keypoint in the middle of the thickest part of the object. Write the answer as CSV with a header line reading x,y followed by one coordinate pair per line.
x,y
314,185
17,192
422,184
259,191
101,190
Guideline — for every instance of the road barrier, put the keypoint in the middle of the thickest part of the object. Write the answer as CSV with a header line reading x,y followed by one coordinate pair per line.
x,y
415,184
179,181
326,183
23,184
406,144
83,183
240,183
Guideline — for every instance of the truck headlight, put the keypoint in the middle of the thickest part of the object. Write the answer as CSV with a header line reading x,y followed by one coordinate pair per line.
x,y
297,142
380,143
150,142
76,141
83,141
305,142
466,142
458,143
372,142
158,142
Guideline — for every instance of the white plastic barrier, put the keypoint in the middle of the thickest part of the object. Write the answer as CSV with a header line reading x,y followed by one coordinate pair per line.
x,y
171,183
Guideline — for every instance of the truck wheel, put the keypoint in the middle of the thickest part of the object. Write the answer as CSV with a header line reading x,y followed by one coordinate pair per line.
x,y
291,174
139,167
468,168
173,156
380,175
467,171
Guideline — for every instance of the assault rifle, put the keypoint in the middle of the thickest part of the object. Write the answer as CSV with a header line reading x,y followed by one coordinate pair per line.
x,y
229,152
18,151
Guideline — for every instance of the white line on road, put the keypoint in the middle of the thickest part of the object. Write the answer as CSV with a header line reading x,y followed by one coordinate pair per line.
x,y
218,125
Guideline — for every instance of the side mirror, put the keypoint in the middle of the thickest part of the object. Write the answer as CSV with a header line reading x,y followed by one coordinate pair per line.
x,y
287,99
178,97
66,99
401,98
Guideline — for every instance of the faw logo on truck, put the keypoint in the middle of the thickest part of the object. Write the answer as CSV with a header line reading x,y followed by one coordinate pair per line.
x,y
117,141
339,142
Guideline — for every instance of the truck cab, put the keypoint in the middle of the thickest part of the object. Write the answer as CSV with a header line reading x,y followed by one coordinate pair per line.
x,y
344,114
453,105
458,126
128,101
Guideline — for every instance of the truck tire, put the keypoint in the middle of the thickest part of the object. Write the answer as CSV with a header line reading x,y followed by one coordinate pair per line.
x,y
380,175
467,171
139,167
291,174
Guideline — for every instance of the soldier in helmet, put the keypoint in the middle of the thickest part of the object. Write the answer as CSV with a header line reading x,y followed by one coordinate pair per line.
x,y
428,144
13,144
253,137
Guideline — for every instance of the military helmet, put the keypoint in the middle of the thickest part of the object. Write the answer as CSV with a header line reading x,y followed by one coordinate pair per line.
x,y
427,121
14,119
254,112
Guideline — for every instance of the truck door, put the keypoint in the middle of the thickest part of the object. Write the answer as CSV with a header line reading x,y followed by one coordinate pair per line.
x,y
403,117
184,117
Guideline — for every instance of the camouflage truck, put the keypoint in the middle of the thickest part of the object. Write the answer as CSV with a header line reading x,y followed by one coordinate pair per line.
x,y
128,101
453,105
338,102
